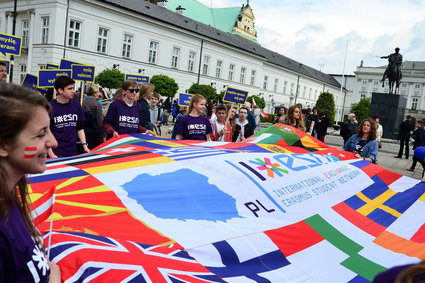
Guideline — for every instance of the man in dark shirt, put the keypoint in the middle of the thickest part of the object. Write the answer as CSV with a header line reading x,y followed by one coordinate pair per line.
x,y
404,136
349,128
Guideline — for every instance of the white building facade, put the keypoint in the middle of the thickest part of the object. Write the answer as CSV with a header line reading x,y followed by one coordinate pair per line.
x,y
140,37
412,85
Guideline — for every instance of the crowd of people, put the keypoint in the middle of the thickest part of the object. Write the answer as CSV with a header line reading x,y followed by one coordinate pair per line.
x,y
33,129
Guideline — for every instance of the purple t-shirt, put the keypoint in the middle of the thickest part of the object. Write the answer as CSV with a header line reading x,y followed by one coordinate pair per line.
x,y
123,118
194,128
63,124
20,258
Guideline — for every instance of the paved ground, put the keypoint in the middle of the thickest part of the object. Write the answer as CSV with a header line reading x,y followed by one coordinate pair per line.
x,y
385,156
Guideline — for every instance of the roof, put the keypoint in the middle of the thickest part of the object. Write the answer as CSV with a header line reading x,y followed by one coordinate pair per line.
x,y
413,65
223,19
220,18
164,15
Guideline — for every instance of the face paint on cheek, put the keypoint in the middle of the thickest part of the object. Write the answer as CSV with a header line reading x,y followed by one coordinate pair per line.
x,y
30,152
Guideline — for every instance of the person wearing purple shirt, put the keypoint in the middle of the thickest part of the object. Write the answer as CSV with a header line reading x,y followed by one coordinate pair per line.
x,y
25,138
67,120
123,116
195,126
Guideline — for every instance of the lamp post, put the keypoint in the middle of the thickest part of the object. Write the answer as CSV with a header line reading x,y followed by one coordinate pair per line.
x,y
15,7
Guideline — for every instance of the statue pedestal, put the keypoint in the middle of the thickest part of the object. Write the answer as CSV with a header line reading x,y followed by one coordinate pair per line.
x,y
391,108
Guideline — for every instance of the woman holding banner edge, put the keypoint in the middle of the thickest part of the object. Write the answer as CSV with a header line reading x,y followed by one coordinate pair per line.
x,y
25,138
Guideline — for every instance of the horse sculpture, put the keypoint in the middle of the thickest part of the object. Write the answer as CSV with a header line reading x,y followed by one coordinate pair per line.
x,y
394,77
393,71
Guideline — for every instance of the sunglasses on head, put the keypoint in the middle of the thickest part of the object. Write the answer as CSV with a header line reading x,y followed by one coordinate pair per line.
x,y
136,90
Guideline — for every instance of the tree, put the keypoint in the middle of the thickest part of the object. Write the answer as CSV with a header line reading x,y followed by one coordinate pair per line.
x,y
164,85
326,103
110,78
258,100
362,109
207,91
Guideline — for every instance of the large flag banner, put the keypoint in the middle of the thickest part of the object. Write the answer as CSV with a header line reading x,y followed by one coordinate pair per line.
x,y
282,207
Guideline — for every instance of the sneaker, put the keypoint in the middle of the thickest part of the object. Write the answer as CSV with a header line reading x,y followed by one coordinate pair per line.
x,y
410,169
397,156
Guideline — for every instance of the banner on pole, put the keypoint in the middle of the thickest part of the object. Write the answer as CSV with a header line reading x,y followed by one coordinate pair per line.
x,y
10,44
234,95
83,73
31,81
140,79
184,99
46,78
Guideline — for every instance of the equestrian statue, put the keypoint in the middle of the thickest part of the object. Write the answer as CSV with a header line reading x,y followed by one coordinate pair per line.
x,y
393,71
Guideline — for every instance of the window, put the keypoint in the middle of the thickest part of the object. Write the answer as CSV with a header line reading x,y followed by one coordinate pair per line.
x,y
242,77
206,65
375,82
276,84
404,85
74,33
309,93
414,103
292,88
23,70
266,78
362,96
25,32
175,58
102,40
218,69
45,29
42,66
417,85
126,45
253,73
231,71
364,82
153,49
191,61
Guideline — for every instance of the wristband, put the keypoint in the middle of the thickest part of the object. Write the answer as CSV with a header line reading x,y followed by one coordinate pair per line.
x,y
84,143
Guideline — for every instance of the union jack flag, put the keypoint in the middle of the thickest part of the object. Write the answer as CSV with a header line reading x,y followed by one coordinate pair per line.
x,y
92,258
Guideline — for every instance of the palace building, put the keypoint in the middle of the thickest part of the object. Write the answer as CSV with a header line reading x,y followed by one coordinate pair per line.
x,y
189,42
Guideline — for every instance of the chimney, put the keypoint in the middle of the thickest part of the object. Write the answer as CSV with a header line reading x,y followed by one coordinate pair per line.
x,y
180,10
162,3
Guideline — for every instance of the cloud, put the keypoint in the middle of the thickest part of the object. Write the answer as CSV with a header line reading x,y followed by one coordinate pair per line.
x,y
316,32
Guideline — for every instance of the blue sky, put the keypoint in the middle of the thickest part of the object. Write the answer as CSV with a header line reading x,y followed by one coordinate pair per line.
x,y
315,33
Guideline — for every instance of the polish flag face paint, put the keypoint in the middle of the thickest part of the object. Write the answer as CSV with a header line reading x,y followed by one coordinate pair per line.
x,y
30,152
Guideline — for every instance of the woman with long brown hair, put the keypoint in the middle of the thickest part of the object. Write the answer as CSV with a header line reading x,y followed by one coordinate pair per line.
x,y
294,118
25,138
364,143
